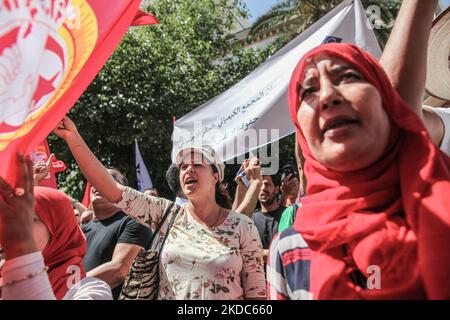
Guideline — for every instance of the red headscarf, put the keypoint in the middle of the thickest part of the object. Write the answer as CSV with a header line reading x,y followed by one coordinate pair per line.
x,y
394,214
66,247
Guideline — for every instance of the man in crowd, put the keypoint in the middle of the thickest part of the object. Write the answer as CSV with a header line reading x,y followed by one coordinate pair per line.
x,y
268,216
113,240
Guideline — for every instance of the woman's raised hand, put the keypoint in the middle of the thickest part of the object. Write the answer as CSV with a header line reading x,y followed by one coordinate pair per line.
x,y
66,130
41,169
243,167
90,166
254,169
289,184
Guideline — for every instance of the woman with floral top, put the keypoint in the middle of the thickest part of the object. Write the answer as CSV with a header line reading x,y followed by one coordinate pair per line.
x,y
210,252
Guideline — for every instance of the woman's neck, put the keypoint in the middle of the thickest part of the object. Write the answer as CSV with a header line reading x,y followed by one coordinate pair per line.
x,y
206,211
203,208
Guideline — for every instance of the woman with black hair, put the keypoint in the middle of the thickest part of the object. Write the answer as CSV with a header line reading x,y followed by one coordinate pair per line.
x,y
209,252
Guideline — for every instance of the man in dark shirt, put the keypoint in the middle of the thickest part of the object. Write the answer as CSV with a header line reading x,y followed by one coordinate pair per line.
x,y
113,240
267,218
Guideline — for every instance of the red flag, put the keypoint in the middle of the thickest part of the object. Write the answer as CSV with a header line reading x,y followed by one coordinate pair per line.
x,y
143,18
87,196
49,53
42,153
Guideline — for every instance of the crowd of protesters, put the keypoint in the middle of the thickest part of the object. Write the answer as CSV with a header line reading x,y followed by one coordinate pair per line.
x,y
369,191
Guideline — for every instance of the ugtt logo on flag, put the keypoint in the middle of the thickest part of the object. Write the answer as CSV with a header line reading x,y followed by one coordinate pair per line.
x,y
50,50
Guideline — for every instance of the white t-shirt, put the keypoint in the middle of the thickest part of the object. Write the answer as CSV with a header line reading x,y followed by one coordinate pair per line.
x,y
38,287
89,288
444,114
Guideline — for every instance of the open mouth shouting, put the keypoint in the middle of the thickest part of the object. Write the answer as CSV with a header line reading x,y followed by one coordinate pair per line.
x,y
337,125
190,182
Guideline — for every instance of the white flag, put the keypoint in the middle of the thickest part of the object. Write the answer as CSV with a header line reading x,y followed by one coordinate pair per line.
x,y
254,112
143,178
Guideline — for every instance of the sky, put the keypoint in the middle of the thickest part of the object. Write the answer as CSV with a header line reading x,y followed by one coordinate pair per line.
x,y
259,7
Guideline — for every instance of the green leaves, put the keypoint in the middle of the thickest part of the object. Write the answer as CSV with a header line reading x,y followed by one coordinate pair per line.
x,y
295,16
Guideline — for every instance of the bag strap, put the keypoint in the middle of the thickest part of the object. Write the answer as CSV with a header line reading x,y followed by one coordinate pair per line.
x,y
166,214
165,224
166,234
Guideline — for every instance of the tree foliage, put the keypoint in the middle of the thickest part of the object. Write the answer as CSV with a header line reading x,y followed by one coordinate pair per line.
x,y
295,16
157,73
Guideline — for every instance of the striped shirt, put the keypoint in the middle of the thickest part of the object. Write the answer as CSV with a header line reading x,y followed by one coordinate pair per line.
x,y
288,267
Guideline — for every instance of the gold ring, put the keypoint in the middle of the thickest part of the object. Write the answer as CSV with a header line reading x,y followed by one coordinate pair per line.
x,y
19,191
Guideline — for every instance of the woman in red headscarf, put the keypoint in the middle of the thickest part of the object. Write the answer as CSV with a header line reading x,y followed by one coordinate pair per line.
x,y
42,220
377,204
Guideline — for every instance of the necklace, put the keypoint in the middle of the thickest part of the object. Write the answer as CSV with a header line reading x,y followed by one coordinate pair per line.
x,y
218,218
219,214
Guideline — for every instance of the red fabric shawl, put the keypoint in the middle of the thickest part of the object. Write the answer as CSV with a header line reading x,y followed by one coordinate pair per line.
x,y
394,214
66,247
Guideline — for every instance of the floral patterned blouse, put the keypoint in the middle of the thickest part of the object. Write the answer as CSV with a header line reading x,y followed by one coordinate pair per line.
x,y
200,263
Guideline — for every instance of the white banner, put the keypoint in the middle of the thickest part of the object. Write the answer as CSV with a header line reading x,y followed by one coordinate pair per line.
x,y
254,112
144,181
